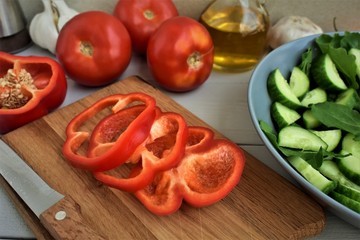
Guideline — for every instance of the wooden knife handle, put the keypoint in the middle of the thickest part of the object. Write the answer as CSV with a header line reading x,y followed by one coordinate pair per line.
x,y
64,221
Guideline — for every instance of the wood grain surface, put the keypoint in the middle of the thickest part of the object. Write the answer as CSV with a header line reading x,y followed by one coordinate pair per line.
x,y
264,205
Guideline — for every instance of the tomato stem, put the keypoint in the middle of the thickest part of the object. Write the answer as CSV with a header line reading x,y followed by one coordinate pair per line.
x,y
148,14
194,60
86,49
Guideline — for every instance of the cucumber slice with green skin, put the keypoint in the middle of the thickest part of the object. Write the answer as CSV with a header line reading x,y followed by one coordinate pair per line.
x,y
310,122
326,75
356,52
349,144
350,167
279,90
282,115
331,137
331,170
348,191
317,95
312,175
349,98
346,201
299,82
300,138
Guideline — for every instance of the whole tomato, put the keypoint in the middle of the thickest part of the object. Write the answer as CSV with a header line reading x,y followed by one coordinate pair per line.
x,y
142,18
180,54
94,48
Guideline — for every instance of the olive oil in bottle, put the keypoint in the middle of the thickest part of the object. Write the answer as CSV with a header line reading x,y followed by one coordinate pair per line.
x,y
238,29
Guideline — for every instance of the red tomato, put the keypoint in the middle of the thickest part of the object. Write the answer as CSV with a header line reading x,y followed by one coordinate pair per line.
x,y
94,48
142,18
180,54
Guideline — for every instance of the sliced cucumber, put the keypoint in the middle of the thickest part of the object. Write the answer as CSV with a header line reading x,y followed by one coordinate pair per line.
x,y
346,201
331,137
279,90
282,115
299,82
309,120
350,145
326,75
356,52
349,98
300,138
331,170
317,95
350,167
312,175
348,191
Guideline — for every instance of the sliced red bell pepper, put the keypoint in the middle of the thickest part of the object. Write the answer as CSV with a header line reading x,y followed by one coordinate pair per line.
x,y
206,174
106,132
162,150
198,139
30,87
217,171
110,154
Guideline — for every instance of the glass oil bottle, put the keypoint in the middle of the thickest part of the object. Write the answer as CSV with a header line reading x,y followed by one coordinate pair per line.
x,y
238,29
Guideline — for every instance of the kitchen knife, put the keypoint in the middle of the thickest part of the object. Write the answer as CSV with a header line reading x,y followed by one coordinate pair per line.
x,y
59,214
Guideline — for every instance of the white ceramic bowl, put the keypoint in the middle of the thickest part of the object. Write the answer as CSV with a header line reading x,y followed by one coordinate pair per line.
x,y
285,58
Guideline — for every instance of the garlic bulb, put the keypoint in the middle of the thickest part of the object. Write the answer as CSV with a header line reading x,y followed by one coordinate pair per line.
x,y
290,28
45,26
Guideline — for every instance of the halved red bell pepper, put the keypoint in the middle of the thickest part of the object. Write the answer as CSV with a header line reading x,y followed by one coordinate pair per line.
x,y
30,87
206,174
162,150
113,152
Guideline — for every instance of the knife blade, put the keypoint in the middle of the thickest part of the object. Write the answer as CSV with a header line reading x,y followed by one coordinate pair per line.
x,y
59,214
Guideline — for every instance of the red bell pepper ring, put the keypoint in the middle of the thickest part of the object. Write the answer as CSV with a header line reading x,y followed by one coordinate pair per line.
x,y
198,139
109,128
162,150
109,157
30,87
206,174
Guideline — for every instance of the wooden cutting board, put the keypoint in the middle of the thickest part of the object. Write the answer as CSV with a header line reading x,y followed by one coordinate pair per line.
x,y
264,205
